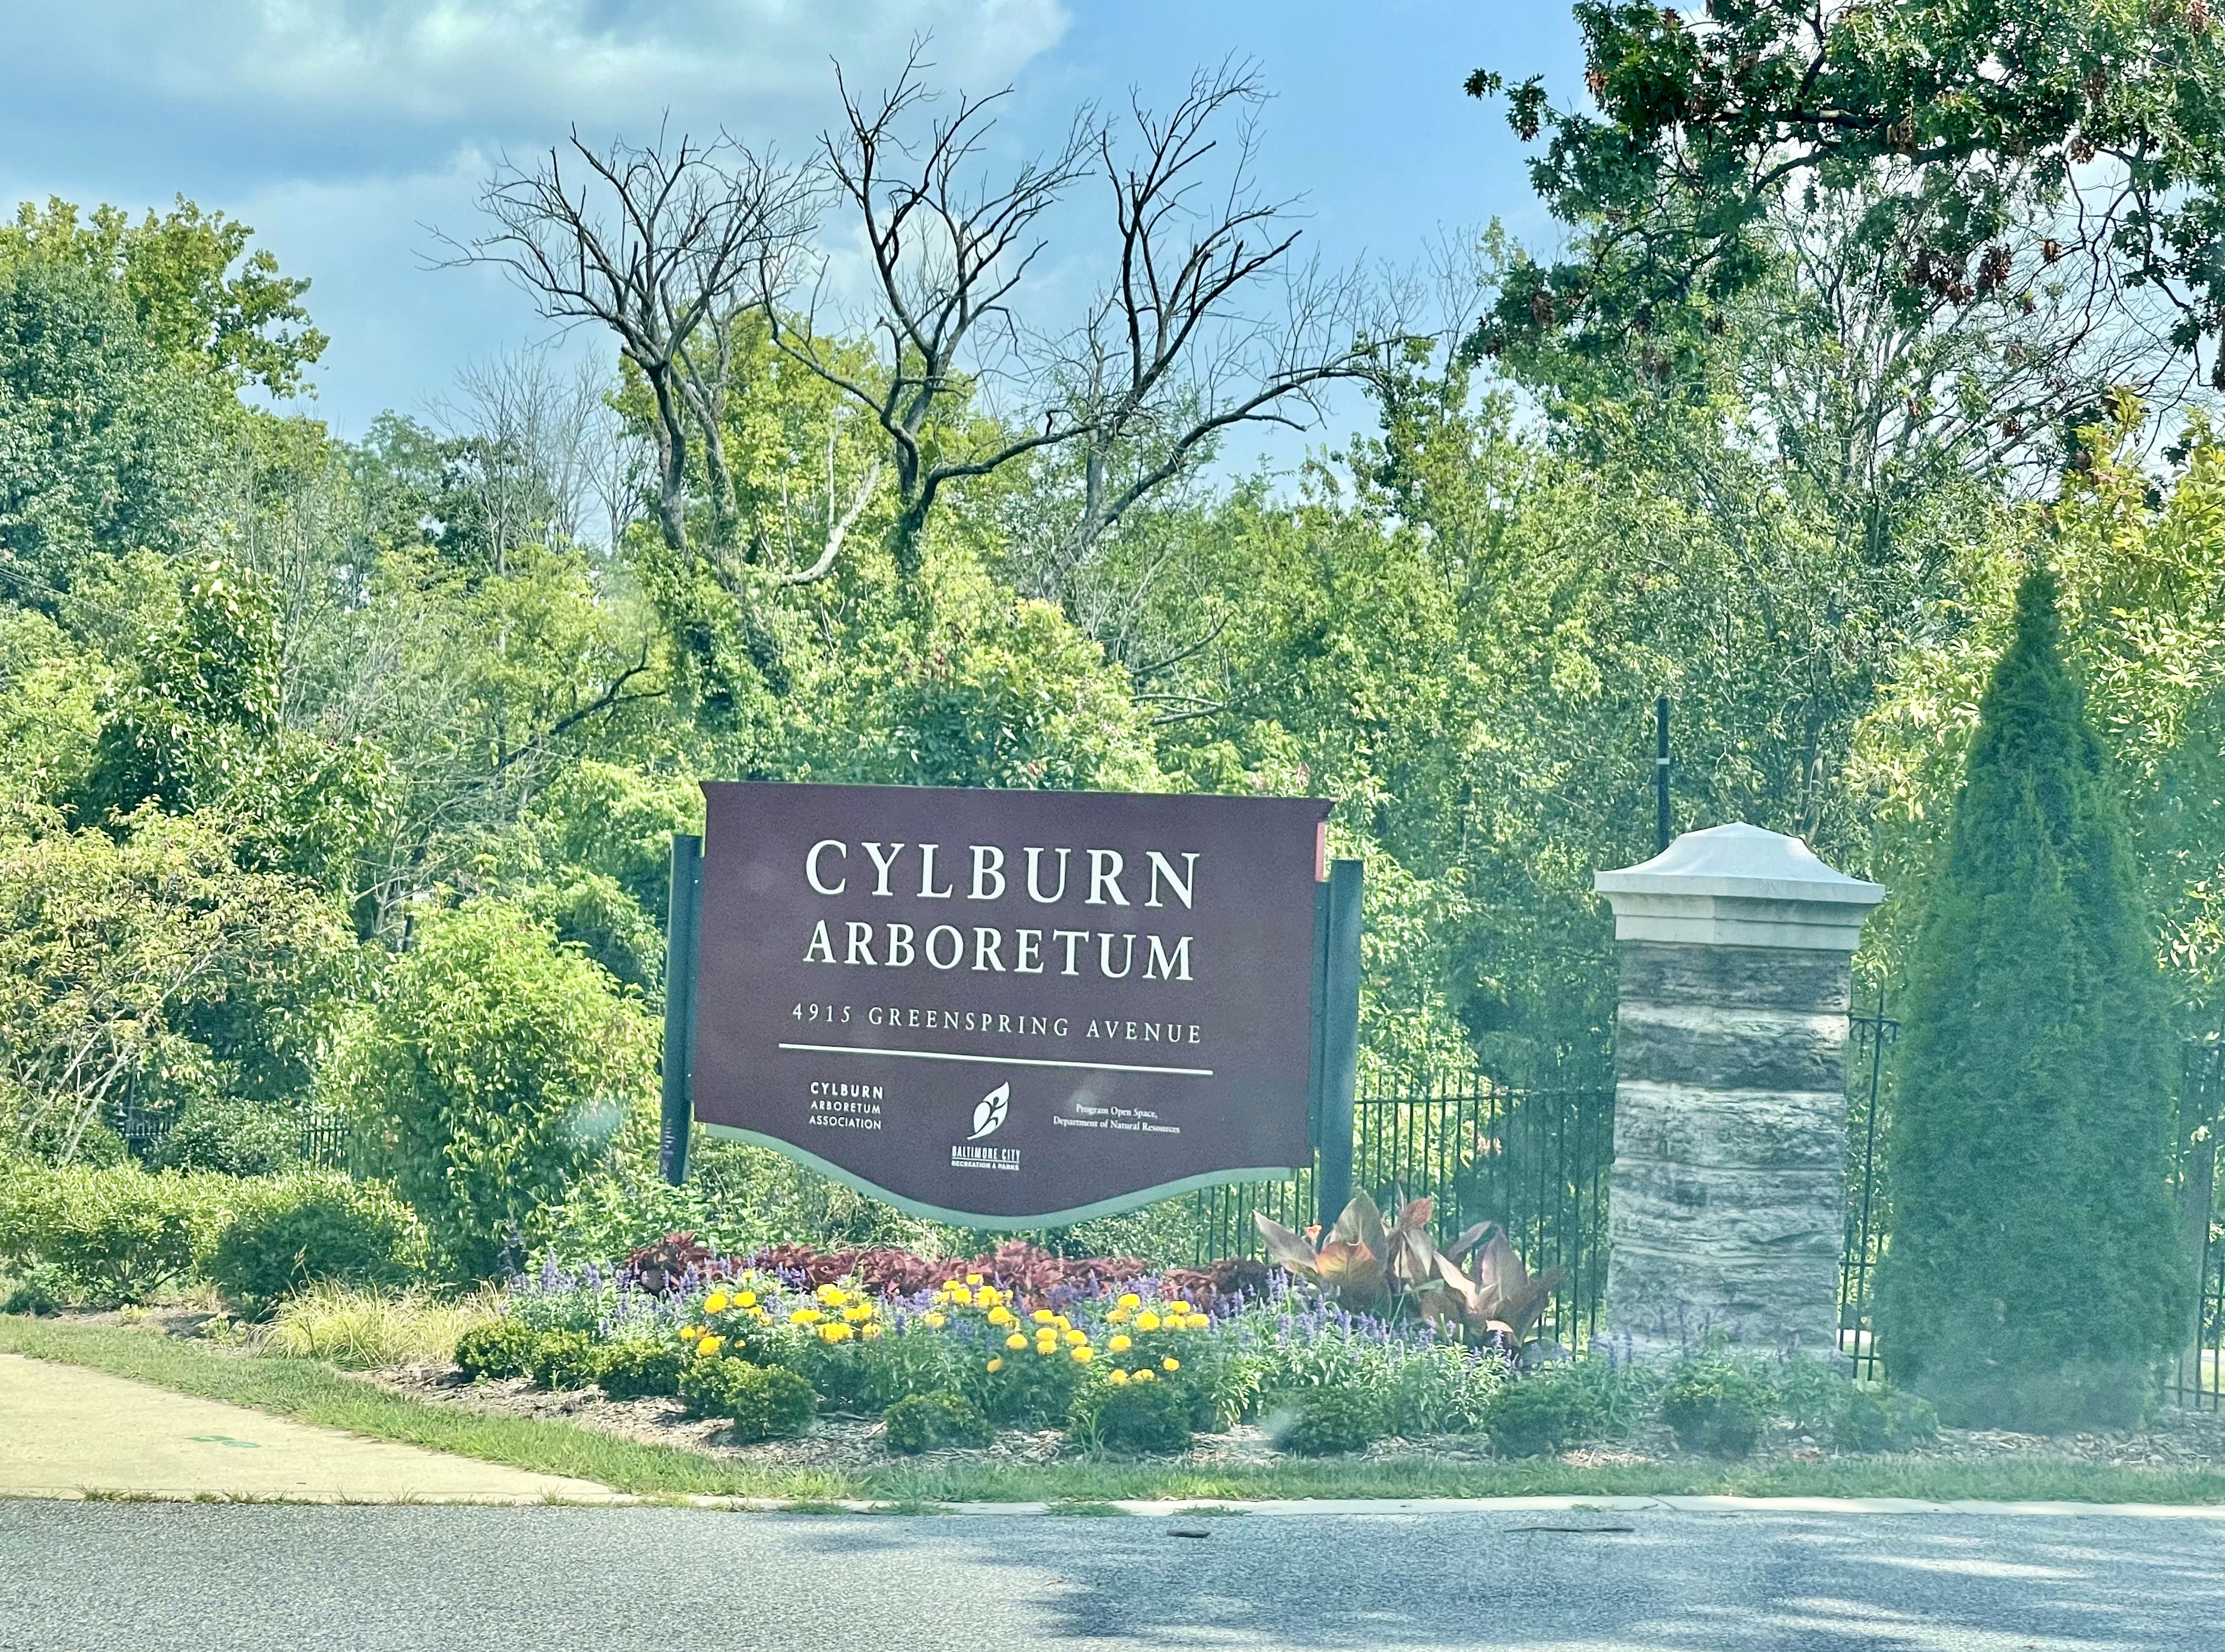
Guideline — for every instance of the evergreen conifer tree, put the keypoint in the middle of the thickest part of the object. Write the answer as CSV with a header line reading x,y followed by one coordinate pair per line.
x,y
2032,1278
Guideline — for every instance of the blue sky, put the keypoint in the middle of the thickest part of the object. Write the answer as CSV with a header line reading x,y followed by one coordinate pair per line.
x,y
343,129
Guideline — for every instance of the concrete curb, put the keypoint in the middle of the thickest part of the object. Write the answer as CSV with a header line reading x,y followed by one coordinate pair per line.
x,y
1314,1507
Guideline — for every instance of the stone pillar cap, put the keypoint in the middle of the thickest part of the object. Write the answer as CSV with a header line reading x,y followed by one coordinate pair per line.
x,y
1739,885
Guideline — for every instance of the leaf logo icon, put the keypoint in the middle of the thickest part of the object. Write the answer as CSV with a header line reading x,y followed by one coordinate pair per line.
x,y
991,1113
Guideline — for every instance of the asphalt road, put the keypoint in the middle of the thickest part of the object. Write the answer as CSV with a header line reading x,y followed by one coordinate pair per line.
x,y
86,1576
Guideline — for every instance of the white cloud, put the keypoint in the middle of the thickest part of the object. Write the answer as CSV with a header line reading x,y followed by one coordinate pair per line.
x,y
319,86
341,129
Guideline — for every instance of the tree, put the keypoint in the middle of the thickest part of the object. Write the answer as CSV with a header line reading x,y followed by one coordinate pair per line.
x,y
154,966
199,296
107,445
2032,1277
665,245
1995,141
1169,356
495,1066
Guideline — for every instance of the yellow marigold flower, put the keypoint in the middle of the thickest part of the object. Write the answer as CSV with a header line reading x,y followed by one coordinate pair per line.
x,y
1001,1316
1062,1322
709,1347
1116,1377
1121,1343
972,1279
998,1364
1181,1308
689,1332
870,1332
745,1299
1075,1338
1201,1321
1016,1340
1143,1374
1147,1320
836,1332
1118,1316
1042,1316
1046,1347
862,1311
832,1295
806,1316
1130,1301
1170,1363
987,1296
960,1295
715,1302
1083,1355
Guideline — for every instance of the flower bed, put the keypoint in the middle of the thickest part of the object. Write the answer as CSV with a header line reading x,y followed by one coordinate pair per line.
x,y
1123,1359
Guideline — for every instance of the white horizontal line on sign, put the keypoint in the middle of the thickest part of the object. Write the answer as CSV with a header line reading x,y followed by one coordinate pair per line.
x,y
997,1060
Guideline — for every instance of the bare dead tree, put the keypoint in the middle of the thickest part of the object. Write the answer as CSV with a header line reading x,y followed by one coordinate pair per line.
x,y
946,252
1178,349
1169,356
663,245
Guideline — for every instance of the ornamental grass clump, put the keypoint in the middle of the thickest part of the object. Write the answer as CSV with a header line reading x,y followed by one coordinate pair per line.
x,y
362,1330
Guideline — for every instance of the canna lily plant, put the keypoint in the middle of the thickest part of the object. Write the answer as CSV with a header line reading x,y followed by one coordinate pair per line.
x,y
1494,1294
1370,1263
1377,1267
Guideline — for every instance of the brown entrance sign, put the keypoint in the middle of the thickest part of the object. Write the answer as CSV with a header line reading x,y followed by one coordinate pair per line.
x,y
1008,1009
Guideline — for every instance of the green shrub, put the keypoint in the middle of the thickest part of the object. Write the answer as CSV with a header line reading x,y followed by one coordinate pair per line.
x,y
232,1137
103,1237
314,1227
2034,1279
1153,1416
1873,1420
761,1402
1319,1421
926,1422
1718,1407
499,1349
34,1294
562,1359
496,1066
1538,1414
838,1372
628,1370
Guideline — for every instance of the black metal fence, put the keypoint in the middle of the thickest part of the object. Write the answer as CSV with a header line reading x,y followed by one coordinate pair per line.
x,y
1534,1160
2197,1375
1868,1038
326,1139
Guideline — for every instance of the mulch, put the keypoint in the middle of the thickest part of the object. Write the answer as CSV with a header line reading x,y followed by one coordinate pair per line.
x,y
2175,1438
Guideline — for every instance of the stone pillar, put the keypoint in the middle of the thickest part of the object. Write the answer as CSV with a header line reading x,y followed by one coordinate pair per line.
x,y
1727,1209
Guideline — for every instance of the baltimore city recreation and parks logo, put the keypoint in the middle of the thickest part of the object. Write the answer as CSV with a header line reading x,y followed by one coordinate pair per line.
x,y
988,1118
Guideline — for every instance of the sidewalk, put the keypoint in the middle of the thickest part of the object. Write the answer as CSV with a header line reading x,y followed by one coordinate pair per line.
x,y
67,1432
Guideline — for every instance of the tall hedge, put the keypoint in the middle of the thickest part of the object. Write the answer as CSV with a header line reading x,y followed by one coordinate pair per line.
x,y
2032,1278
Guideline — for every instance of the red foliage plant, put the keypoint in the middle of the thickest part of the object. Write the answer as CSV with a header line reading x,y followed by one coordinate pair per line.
x,y
1031,1273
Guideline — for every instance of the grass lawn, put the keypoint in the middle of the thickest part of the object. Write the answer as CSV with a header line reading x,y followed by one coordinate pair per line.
x,y
310,1392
